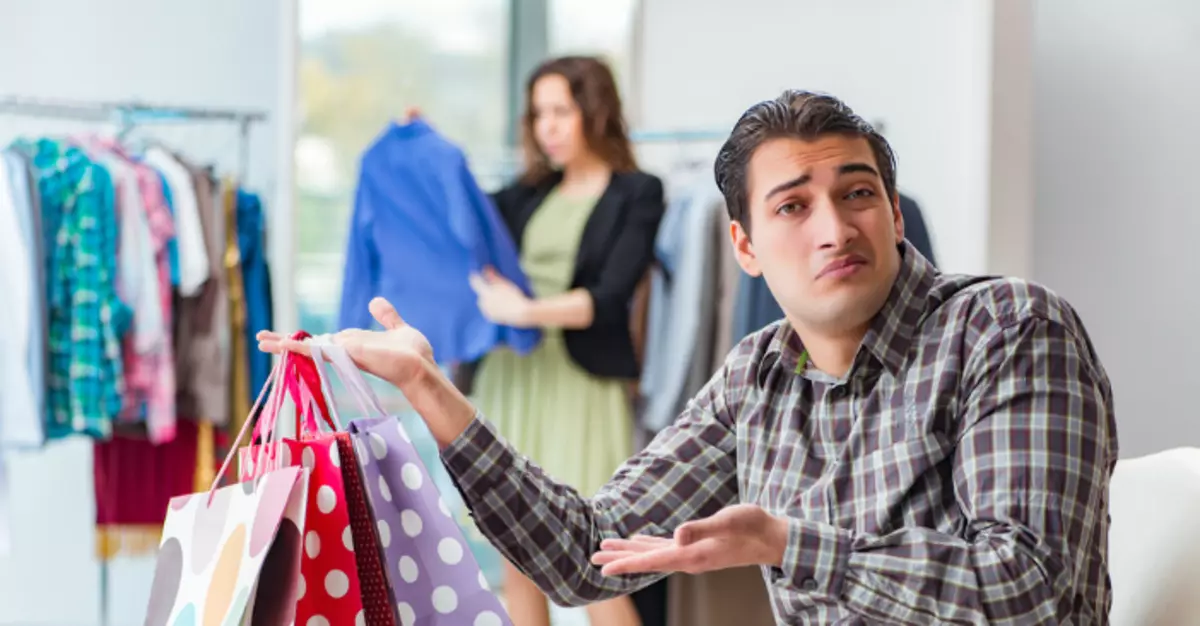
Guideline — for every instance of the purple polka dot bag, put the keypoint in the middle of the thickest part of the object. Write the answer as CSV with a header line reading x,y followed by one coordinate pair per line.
x,y
434,576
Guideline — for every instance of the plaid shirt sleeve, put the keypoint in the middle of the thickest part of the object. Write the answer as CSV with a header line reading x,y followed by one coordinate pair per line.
x,y
550,531
1030,474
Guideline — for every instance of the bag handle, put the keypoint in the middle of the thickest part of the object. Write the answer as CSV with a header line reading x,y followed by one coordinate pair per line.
x,y
315,378
299,379
349,373
233,449
307,392
321,356
318,357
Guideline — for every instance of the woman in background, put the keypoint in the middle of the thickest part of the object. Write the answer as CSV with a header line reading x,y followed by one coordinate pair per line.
x,y
584,219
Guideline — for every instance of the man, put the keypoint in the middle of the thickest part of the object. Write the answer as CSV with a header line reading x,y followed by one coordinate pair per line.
x,y
906,447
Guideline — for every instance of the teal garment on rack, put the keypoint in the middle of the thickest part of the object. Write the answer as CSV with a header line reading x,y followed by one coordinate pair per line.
x,y
79,227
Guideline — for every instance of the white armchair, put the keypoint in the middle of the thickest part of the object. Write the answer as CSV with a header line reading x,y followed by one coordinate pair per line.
x,y
1154,540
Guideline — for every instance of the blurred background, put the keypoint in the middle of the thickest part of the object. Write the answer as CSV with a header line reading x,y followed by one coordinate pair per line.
x,y
1052,140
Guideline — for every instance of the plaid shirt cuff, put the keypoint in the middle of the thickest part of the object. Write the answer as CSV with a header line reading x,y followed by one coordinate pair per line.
x,y
474,458
815,559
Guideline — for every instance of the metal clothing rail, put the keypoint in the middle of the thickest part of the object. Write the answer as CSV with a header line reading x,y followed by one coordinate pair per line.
x,y
133,110
128,114
678,136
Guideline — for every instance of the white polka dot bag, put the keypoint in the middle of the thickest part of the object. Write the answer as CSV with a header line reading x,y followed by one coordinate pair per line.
x,y
232,555
435,578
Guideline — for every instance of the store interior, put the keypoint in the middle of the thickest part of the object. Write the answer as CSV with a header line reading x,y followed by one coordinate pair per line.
x,y
1044,140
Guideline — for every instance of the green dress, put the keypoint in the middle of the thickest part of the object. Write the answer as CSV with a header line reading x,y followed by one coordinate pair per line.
x,y
575,426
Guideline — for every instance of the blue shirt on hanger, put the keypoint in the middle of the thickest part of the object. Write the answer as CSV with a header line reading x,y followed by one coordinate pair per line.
x,y
421,227
256,281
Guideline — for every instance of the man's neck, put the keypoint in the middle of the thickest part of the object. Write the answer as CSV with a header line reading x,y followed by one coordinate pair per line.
x,y
831,353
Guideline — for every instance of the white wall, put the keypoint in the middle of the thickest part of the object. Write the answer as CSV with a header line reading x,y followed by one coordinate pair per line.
x,y
923,66
221,53
1117,116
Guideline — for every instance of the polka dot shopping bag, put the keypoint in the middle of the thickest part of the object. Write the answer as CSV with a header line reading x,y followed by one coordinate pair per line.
x,y
329,589
434,577
232,555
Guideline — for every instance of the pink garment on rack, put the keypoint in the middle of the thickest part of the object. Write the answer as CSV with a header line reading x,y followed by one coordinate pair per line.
x,y
150,375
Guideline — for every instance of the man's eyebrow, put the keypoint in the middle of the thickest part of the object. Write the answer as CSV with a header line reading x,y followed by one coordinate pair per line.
x,y
798,181
854,168
803,179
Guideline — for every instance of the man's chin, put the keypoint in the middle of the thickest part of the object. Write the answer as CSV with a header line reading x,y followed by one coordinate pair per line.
x,y
841,313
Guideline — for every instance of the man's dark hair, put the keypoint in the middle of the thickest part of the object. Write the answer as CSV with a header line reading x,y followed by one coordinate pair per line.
x,y
800,114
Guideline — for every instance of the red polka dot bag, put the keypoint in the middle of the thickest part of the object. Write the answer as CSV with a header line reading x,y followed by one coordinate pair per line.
x,y
329,592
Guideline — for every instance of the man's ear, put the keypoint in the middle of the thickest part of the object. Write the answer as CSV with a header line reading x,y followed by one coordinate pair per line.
x,y
743,248
898,217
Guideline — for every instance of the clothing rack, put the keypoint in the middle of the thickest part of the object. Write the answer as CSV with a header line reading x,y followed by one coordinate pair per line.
x,y
131,113
127,115
679,136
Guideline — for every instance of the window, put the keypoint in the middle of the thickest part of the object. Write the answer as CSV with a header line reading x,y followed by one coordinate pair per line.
x,y
604,29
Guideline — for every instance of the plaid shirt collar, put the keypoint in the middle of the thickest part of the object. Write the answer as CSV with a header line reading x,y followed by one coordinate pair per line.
x,y
891,332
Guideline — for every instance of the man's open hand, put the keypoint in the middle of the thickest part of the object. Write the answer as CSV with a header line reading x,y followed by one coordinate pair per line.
x,y
737,536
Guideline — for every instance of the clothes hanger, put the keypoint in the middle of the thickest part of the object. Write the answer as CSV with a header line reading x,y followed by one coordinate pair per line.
x,y
411,114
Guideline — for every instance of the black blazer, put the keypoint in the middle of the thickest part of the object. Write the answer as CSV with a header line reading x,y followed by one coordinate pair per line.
x,y
616,249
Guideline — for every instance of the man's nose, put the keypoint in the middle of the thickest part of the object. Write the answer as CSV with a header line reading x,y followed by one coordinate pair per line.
x,y
833,227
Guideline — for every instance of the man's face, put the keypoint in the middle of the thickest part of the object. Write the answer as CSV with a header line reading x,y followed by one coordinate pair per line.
x,y
823,232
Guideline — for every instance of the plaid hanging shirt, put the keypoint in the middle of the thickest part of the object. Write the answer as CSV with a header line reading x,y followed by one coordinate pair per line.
x,y
958,474
85,382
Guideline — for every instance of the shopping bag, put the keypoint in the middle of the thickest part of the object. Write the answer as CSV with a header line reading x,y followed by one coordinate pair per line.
x,y
231,556
379,605
329,584
434,576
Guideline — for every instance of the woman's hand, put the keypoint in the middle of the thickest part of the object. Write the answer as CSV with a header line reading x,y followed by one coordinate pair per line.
x,y
400,354
500,300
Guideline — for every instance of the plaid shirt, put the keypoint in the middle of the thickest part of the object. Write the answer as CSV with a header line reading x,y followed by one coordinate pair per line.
x,y
958,474
86,379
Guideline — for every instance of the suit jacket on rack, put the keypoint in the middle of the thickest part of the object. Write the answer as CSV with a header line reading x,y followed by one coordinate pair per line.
x,y
615,251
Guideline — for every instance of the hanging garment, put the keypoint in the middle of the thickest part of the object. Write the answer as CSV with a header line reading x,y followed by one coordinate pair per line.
x,y
201,322
193,255
137,270
256,283
5,510
420,227
19,420
915,230
147,230
39,353
133,479
138,286
681,329
239,355
22,403
727,288
85,380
